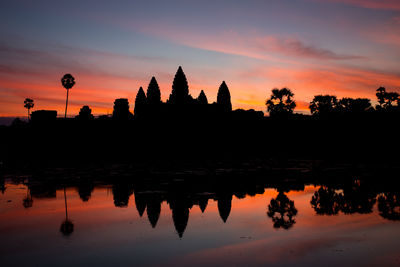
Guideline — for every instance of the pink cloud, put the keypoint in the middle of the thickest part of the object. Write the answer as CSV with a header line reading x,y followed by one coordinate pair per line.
x,y
101,77
390,35
105,76
249,89
251,44
372,4
295,47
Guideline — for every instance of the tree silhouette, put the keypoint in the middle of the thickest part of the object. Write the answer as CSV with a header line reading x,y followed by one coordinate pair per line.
x,y
281,102
67,227
380,93
28,104
282,211
140,102
224,97
386,99
357,198
202,98
68,81
358,105
323,105
326,201
180,89
389,206
153,92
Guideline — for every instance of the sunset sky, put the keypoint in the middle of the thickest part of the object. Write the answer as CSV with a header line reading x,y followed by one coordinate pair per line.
x,y
342,47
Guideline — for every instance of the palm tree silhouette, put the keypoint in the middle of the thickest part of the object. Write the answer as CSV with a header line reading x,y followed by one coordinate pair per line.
x,y
68,81
28,104
323,105
281,102
67,227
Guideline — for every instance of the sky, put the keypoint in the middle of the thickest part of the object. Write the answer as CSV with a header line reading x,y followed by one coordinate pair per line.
x,y
347,48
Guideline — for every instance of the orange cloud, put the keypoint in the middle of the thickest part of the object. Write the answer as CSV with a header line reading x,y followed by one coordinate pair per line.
x,y
343,82
251,44
99,92
250,81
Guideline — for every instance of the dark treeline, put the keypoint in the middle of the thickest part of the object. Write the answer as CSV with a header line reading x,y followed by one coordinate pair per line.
x,y
185,128
282,104
344,189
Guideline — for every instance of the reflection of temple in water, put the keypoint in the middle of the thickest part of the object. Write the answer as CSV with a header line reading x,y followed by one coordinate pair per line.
x,y
332,197
85,190
121,193
180,213
153,209
224,206
140,203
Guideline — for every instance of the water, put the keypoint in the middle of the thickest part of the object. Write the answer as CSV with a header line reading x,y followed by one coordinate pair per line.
x,y
117,224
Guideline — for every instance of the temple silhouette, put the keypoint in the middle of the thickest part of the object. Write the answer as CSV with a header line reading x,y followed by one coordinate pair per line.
x,y
149,106
179,105
203,137
188,151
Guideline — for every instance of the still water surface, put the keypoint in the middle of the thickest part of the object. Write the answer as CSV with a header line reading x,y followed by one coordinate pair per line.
x,y
109,225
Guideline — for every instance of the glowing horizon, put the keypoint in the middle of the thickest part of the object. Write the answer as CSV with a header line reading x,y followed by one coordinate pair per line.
x,y
347,48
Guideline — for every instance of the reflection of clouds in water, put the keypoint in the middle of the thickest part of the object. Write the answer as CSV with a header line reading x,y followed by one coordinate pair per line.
x,y
274,251
206,239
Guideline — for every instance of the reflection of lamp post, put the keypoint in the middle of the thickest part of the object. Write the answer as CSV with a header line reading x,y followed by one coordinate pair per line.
x,y
67,227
